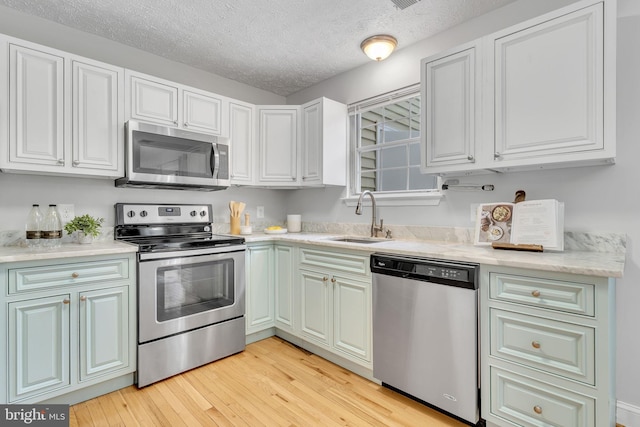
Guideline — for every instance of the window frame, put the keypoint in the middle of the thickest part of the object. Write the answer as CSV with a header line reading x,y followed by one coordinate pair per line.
x,y
430,197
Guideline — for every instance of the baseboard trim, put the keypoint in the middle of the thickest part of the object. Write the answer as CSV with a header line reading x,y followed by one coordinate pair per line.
x,y
627,415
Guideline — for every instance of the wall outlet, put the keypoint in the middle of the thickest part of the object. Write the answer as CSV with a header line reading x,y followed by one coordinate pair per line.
x,y
260,212
67,213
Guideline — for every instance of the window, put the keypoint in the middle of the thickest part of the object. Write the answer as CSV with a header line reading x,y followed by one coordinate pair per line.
x,y
385,142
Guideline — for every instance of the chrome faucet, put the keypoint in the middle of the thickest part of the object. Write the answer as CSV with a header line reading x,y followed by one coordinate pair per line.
x,y
374,227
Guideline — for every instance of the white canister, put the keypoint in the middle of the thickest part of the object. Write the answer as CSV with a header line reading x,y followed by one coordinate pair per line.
x,y
294,223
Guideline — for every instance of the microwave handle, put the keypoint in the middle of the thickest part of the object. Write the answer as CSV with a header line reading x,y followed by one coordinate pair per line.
x,y
215,161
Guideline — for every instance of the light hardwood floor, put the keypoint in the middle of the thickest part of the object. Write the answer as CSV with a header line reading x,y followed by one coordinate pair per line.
x,y
271,383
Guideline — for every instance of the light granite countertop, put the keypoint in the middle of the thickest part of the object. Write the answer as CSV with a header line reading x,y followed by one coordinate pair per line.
x,y
602,264
67,250
592,263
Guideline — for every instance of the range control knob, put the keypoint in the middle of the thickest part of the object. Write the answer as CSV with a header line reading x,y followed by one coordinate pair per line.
x,y
131,214
203,213
193,213
143,214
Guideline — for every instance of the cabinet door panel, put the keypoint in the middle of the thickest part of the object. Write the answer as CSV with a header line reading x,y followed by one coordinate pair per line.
x,y
450,108
352,317
241,143
549,87
315,307
39,344
284,287
96,121
155,102
104,331
36,107
202,113
278,146
312,146
259,292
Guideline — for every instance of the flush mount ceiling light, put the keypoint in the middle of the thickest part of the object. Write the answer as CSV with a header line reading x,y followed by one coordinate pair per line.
x,y
379,47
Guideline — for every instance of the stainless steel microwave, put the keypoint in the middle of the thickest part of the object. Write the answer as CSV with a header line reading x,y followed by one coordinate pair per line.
x,y
170,158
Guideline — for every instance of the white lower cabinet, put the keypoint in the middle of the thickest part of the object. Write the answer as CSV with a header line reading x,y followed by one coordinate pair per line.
x,y
284,274
335,308
547,348
77,332
311,296
259,291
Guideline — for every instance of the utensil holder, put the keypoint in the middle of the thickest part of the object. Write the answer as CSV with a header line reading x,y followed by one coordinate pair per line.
x,y
234,225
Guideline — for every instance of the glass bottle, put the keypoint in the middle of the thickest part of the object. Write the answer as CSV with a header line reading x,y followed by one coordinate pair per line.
x,y
33,227
52,228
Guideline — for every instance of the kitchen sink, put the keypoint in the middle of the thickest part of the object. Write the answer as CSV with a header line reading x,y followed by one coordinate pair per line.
x,y
357,239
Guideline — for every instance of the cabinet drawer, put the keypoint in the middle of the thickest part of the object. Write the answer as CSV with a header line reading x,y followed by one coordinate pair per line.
x,y
336,262
528,402
51,276
553,294
557,347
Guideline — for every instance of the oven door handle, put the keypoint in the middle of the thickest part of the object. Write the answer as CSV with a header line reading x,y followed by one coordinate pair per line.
x,y
147,256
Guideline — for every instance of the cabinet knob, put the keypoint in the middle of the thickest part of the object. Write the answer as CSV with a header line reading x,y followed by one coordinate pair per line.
x,y
537,409
175,123
66,301
186,124
333,280
470,158
535,344
83,298
324,279
497,155
535,293
75,275
75,163
60,161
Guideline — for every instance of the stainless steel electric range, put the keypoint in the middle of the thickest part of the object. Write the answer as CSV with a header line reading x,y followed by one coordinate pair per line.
x,y
191,286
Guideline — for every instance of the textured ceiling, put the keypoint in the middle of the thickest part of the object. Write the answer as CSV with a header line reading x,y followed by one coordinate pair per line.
x,y
281,46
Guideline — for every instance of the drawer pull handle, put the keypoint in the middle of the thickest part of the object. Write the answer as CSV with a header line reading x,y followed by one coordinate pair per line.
x,y
75,275
535,344
535,293
537,409
66,301
83,298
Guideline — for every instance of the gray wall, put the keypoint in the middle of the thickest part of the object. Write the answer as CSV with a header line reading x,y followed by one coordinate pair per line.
x,y
597,199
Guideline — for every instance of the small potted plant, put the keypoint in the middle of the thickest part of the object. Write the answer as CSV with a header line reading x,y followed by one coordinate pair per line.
x,y
86,226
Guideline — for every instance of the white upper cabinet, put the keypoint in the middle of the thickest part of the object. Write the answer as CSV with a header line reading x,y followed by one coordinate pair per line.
x,y
324,143
65,113
97,107
451,90
241,142
302,146
548,96
548,89
152,101
278,145
156,100
36,99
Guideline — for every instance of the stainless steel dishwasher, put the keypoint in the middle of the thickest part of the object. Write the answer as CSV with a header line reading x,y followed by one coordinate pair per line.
x,y
425,331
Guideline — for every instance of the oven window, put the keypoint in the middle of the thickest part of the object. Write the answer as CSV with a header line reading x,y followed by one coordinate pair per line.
x,y
165,155
184,290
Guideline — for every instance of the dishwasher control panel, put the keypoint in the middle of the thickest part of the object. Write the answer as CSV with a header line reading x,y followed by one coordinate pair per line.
x,y
426,269
444,273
